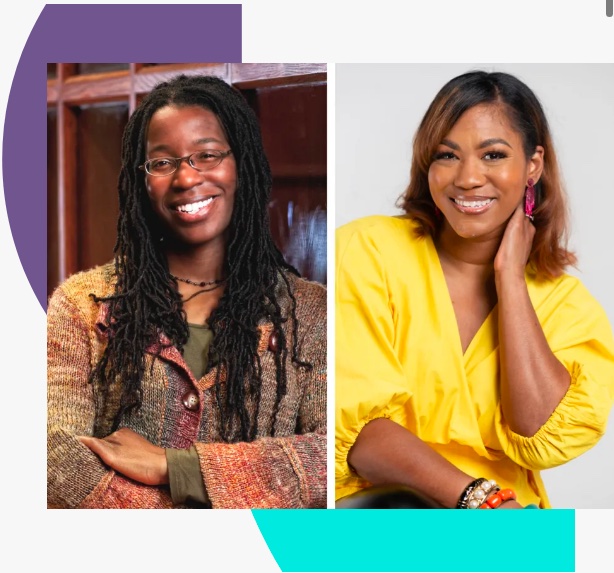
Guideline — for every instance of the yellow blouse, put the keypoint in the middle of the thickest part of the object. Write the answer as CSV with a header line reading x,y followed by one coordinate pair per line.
x,y
399,356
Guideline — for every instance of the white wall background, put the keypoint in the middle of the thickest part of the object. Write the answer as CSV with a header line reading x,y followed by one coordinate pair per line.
x,y
378,109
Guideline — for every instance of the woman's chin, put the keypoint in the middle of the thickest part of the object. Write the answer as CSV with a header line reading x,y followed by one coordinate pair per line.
x,y
476,231
186,242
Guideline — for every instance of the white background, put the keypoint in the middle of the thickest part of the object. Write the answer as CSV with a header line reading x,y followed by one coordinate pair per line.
x,y
315,31
378,110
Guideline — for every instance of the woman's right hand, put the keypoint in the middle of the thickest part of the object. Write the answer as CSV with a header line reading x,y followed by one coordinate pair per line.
x,y
132,455
515,248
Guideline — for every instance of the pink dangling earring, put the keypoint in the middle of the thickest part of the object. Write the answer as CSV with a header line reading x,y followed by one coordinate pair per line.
x,y
529,199
437,212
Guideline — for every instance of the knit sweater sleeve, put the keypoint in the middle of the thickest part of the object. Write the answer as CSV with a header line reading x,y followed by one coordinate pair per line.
x,y
277,472
76,478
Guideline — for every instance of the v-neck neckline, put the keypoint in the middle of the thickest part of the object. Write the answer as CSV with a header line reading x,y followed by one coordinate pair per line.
x,y
443,293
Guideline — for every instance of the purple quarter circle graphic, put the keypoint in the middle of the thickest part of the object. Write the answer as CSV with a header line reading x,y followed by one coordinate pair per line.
x,y
91,33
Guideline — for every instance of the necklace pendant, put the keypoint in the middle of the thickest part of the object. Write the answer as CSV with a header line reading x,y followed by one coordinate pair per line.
x,y
196,283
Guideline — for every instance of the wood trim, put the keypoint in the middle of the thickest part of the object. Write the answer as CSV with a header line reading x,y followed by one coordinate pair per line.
x,y
53,92
139,79
66,173
146,78
134,68
263,75
67,192
65,71
121,85
95,88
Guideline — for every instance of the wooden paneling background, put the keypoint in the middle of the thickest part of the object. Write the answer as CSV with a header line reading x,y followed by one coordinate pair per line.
x,y
88,106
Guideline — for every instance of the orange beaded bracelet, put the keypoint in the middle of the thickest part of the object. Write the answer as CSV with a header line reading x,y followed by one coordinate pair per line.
x,y
494,500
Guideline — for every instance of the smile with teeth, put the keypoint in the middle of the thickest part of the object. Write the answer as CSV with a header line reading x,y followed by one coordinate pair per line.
x,y
194,207
472,204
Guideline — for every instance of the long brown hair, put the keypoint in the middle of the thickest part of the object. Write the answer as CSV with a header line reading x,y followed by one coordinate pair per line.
x,y
549,255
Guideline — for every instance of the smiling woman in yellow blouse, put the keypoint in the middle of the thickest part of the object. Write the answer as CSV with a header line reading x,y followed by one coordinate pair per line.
x,y
467,360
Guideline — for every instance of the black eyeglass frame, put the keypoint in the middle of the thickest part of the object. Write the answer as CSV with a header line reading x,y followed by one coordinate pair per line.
x,y
177,160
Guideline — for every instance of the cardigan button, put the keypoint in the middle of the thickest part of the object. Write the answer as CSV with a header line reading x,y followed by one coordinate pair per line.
x,y
273,342
190,400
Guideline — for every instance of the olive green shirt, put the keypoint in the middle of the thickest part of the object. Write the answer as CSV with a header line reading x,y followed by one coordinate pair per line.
x,y
184,475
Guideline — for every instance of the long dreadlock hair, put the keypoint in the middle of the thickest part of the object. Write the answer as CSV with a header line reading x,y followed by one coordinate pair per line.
x,y
146,301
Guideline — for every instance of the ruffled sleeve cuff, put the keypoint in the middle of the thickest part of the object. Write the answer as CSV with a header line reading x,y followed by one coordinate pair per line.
x,y
350,422
576,425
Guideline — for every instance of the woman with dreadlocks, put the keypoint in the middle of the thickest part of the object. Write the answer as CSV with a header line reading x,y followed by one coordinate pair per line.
x,y
191,371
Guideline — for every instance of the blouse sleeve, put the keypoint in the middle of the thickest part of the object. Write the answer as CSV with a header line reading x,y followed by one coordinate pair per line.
x,y
369,379
580,336
76,478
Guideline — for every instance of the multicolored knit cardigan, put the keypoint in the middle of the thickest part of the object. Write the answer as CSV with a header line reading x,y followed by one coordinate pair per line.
x,y
285,471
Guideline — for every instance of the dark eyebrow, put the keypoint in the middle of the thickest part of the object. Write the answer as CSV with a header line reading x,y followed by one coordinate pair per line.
x,y
485,143
207,140
161,147
451,144
492,141
164,148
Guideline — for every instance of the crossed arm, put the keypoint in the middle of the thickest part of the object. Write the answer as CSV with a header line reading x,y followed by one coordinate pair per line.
x,y
126,470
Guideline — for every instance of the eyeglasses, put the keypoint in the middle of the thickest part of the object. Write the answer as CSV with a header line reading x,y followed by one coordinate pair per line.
x,y
199,160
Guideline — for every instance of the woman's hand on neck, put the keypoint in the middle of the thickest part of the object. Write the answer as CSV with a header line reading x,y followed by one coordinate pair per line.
x,y
515,248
